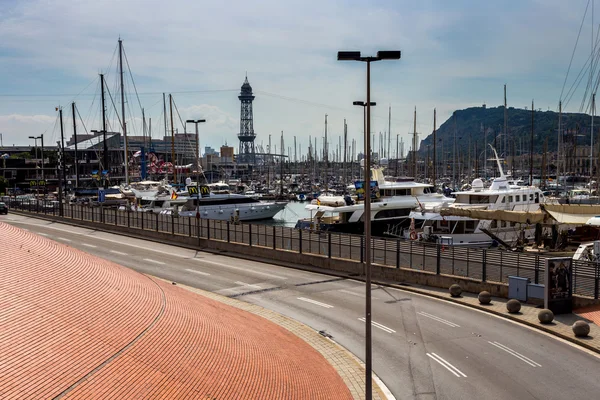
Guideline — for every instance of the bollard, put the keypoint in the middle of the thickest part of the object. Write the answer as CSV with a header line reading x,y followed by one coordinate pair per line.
x,y
455,290
513,306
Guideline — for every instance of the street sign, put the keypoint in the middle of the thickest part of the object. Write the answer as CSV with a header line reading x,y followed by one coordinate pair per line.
x,y
37,183
101,196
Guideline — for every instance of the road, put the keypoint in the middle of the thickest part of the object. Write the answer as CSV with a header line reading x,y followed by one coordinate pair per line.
x,y
423,348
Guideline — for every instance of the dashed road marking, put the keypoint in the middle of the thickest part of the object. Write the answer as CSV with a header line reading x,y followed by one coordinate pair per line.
x,y
154,261
515,354
197,272
457,372
318,303
378,325
438,319
119,253
246,284
89,245
64,239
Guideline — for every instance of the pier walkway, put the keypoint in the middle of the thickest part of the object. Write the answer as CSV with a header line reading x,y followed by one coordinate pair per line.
x,y
77,326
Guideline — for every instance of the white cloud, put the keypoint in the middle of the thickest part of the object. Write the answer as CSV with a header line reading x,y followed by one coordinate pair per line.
x,y
453,55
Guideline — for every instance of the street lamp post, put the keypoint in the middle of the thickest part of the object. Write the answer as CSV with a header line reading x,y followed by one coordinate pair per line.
x,y
37,172
196,122
356,56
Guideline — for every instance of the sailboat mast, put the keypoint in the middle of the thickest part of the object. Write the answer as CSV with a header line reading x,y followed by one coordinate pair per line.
x,y
173,160
434,148
505,126
345,151
531,147
165,119
389,130
125,156
76,163
105,156
414,145
558,143
281,166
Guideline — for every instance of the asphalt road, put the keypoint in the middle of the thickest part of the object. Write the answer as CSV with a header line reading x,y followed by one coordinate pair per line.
x,y
423,348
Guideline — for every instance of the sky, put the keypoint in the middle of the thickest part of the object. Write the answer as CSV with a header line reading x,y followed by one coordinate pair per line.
x,y
455,54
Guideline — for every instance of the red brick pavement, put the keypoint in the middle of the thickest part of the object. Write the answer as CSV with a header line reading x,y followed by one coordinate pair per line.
x,y
77,326
591,312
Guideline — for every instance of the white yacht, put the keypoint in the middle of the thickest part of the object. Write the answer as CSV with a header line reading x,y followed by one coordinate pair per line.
x,y
458,230
227,206
389,211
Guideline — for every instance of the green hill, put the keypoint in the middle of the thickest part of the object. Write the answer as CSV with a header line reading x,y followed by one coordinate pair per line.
x,y
470,124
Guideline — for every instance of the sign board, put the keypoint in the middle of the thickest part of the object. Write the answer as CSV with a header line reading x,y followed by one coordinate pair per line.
x,y
204,191
558,291
192,190
360,190
39,183
101,196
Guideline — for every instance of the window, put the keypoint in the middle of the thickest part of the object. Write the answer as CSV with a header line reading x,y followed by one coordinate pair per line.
x,y
510,199
393,213
494,224
517,198
470,226
531,197
537,197
504,199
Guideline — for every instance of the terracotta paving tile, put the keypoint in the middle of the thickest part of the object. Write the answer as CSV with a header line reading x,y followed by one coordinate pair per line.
x,y
77,326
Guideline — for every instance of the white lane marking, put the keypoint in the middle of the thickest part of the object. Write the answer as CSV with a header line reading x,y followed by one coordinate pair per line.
x,y
458,373
318,303
198,272
119,253
239,269
438,319
154,261
356,294
378,325
246,284
64,239
352,293
515,354
43,234
89,245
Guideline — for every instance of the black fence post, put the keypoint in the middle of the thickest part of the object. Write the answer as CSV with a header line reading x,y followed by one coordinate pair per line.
x,y
116,217
410,250
362,249
208,229
438,259
596,281
274,239
142,215
172,224
228,237
189,226
300,241
397,253
536,276
156,219
250,234
484,267
128,218
329,244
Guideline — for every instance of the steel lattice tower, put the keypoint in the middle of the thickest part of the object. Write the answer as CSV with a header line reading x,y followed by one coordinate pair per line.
x,y
246,135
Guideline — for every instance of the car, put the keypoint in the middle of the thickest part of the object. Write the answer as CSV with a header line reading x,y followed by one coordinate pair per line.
x,y
3,208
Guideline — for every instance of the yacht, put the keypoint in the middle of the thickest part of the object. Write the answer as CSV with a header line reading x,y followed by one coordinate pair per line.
x,y
226,207
390,208
431,224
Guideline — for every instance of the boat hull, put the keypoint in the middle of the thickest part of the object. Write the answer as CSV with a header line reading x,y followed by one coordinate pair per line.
x,y
247,212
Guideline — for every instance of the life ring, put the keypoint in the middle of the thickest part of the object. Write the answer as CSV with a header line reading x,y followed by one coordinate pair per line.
x,y
413,235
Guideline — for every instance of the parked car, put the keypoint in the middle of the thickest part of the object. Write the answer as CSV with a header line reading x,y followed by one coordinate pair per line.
x,y
3,208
